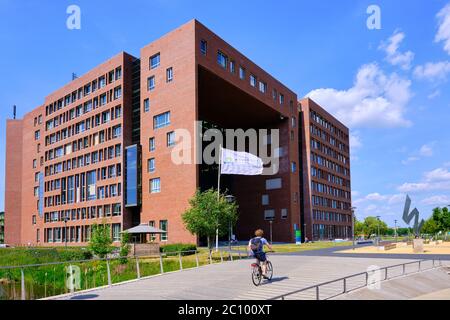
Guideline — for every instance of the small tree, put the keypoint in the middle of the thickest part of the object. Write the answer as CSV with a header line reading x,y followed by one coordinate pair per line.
x,y
101,242
124,247
209,212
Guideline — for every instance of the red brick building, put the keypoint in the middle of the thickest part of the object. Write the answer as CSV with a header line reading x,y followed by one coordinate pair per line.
x,y
100,148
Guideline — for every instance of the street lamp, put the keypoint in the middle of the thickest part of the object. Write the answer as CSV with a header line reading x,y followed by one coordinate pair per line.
x,y
271,239
304,230
65,231
378,225
230,199
395,230
353,226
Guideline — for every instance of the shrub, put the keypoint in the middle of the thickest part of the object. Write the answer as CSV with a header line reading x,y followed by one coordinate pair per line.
x,y
175,248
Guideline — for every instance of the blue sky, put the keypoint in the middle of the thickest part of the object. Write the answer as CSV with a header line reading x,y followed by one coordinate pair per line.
x,y
390,86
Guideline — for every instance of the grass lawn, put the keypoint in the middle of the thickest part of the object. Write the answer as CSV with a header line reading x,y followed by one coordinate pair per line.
x,y
285,248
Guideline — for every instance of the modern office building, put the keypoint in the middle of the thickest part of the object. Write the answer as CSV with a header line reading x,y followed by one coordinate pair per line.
x,y
325,185
100,149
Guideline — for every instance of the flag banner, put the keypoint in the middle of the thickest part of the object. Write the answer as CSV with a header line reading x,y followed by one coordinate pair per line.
x,y
240,163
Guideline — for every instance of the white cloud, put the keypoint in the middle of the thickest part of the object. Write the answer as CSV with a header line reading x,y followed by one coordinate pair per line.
x,y
410,160
395,57
433,71
439,174
437,200
355,141
438,179
375,100
427,150
434,94
443,34
387,198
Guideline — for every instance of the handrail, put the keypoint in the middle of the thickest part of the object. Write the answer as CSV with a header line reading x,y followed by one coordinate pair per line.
x,y
103,259
344,279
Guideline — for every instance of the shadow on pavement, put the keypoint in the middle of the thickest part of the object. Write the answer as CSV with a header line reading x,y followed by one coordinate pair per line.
x,y
279,279
85,297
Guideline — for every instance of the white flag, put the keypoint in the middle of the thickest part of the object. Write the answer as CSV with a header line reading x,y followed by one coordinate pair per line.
x,y
241,163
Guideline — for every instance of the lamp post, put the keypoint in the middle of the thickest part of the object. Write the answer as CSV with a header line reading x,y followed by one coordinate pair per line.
x,y
378,225
230,199
65,231
304,231
395,230
271,238
353,226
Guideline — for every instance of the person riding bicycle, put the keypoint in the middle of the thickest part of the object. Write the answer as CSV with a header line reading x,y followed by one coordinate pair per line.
x,y
256,245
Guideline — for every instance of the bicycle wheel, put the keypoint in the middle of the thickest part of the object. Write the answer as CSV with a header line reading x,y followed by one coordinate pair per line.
x,y
269,270
256,276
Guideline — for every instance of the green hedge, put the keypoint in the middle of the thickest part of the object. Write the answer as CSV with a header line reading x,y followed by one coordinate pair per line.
x,y
171,248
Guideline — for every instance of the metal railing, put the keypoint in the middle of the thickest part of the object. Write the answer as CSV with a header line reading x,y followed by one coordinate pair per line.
x,y
100,272
345,280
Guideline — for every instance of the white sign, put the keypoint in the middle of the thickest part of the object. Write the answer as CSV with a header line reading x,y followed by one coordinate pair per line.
x,y
241,163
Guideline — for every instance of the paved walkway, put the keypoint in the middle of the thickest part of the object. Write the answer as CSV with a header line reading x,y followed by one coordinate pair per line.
x,y
232,280
427,285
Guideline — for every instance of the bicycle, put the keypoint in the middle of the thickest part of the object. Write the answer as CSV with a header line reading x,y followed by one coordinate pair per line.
x,y
257,274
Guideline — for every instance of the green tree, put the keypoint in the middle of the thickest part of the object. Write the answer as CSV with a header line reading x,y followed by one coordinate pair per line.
x,y
430,227
359,228
371,225
209,212
124,247
101,241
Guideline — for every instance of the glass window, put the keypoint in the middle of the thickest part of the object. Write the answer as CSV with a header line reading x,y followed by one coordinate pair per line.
x,y
131,189
116,232
169,74
152,145
155,61
222,59
232,66
161,120
155,185
262,87
204,47
91,185
164,225
146,105
151,83
252,80
171,139
242,73
151,165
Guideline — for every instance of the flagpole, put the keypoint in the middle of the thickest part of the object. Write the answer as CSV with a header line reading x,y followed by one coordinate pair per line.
x,y
218,193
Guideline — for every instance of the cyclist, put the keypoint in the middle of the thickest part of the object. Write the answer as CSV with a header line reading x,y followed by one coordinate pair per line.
x,y
256,245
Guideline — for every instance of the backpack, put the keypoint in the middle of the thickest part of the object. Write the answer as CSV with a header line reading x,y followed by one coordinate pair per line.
x,y
256,245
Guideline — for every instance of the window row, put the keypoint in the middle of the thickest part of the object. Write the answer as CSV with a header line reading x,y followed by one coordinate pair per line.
x,y
85,160
321,161
326,189
327,125
83,194
85,125
91,87
82,109
77,234
230,65
329,138
317,145
331,216
329,203
95,212
331,178
84,143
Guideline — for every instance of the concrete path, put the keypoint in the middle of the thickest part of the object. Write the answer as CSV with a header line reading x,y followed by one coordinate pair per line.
x,y
427,285
232,280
